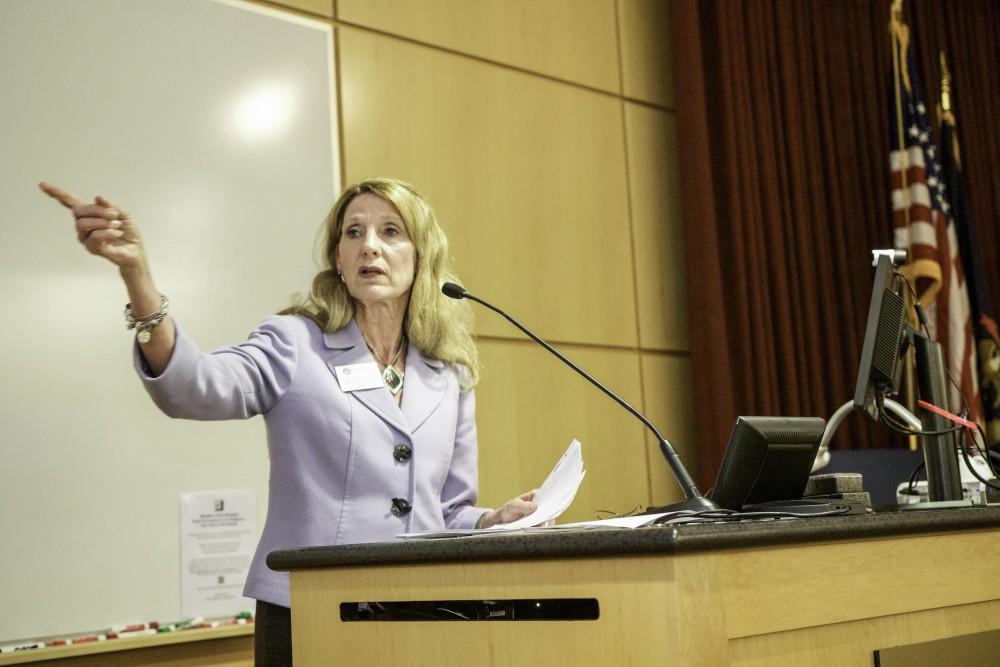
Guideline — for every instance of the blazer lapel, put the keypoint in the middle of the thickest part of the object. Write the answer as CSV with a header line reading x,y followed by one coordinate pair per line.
x,y
351,349
423,388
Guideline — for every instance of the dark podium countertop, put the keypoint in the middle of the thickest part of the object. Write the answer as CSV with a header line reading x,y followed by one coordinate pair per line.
x,y
676,539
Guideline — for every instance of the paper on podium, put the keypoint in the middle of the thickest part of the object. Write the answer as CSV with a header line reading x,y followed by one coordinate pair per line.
x,y
636,521
556,493
553,498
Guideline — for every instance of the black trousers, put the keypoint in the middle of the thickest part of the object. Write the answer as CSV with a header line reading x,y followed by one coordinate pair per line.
x,y
272,636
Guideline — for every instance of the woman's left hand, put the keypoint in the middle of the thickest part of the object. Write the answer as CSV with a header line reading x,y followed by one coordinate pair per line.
x,y
512,510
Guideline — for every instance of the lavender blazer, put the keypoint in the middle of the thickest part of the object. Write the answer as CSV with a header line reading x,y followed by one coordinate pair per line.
x,y
333,474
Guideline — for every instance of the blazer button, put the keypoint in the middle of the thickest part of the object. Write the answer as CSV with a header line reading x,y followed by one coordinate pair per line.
x,y
402,453
401,507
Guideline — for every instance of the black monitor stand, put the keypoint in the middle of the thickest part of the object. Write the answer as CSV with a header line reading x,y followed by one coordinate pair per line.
x,y
944,483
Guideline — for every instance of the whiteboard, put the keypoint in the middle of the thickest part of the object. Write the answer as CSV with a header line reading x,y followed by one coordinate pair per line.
x,y
213,123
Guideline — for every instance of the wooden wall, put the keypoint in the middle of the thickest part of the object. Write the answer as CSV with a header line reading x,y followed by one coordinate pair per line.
x,y
543,134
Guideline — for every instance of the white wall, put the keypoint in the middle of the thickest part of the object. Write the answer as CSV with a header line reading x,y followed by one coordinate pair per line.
x,y
135,100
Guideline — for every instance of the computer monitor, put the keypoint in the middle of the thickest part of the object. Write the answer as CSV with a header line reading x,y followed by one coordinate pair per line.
x,y
885,343
887,340
767,459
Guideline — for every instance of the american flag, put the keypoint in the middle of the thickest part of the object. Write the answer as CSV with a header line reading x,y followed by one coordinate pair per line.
x,y
923,225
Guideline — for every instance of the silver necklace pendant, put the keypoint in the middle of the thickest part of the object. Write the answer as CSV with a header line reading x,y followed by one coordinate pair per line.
x,y
393,380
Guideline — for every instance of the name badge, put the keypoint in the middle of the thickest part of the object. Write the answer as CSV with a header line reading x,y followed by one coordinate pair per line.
x,y
354,377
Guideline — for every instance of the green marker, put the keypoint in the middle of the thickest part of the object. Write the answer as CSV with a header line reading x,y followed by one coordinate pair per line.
x,y
180,625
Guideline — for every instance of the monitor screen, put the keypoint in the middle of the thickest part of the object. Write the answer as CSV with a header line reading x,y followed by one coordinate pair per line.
x,y
885,341
767,459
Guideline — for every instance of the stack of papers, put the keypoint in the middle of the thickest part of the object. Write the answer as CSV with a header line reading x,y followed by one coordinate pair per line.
x,y
636,521
553,498
556,493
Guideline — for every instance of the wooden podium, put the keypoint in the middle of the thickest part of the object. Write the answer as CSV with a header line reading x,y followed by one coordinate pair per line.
x,y
823,591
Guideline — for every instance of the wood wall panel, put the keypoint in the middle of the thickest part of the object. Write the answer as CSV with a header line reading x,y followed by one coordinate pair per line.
x,y
534,180
647,63
526,174
567,39
656,221
530,406
667,382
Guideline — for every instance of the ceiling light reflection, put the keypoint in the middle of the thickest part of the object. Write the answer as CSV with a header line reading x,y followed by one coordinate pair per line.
x,y
264,112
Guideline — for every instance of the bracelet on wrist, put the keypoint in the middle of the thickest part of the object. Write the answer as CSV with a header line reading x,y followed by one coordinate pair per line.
x,y
143,325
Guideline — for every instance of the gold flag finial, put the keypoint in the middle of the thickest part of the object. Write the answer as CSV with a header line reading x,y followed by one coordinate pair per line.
x,y
944,109
945,85
901,42
896,10
896,16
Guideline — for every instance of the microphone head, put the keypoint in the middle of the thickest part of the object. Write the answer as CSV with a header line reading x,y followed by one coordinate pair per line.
x,y
454,291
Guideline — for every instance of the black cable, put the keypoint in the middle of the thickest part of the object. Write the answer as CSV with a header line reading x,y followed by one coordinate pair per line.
x,y
914,477
983,449
975,473
907,431
890,420
917,307
987,453
980,449
922,317
895,426
602,515
968,463
888,417
951,378
893,421
728,516
788,515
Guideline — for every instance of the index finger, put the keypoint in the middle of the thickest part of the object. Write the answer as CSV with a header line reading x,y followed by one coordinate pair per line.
x,y
60,195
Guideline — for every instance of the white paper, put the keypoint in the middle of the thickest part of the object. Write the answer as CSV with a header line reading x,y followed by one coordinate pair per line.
x,y
636,521
553,498
556,493
218,536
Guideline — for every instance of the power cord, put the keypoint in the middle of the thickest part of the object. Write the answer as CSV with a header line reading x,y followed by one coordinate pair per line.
x,y
982,449
914,477
890,420
972,469
683,517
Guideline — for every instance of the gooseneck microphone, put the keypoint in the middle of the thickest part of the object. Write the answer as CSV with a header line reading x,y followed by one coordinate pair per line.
x,y
694,500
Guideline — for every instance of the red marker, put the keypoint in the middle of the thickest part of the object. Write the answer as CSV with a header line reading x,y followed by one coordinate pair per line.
x,y
222,624
79,640
134,633
134,627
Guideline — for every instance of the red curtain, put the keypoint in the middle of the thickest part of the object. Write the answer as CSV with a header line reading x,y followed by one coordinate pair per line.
x,y
783,133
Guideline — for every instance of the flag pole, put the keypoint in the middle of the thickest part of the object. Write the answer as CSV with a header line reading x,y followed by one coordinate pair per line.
x,y
945,111
900,39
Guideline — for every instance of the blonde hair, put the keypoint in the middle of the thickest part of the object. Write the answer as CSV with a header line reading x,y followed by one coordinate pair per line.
x,y
439,325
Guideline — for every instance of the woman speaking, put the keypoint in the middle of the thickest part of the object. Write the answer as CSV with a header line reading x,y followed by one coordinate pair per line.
x,y
365,385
